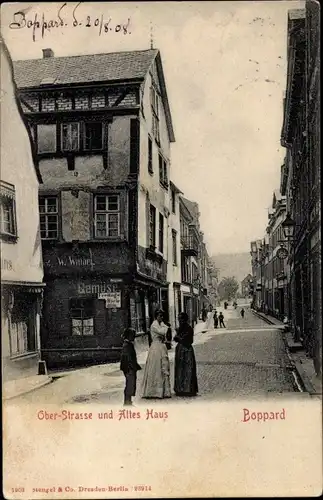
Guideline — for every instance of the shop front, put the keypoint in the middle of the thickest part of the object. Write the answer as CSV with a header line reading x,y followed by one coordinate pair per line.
x,y
20,326
187,301
83,320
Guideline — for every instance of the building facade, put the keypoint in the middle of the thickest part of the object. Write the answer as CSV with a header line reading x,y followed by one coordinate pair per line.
x,y
102,127
245,285
275,265
297,188
312,24
190,252
301,138
174,256
257,267
21,257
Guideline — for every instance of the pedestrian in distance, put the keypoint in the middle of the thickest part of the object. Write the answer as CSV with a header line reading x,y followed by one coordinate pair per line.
x,y
221,320
204,314
185,364
129,365
156,378
242,313
215,319
209,318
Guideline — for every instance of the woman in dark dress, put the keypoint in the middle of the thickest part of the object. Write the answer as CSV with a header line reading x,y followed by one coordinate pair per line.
x,y
185,364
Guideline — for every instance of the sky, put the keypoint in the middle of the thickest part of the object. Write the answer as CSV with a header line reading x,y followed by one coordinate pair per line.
x,y
225,71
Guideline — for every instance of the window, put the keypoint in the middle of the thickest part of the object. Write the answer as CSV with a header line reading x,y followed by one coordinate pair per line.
x,y
150,156
93,136
46,138
186,274
161,234
107,216
152,226
194,274
154,101
161,169
8,210
174,246
70,140
74,137
163,174
173,201
155,112
48,208
82,316
155,128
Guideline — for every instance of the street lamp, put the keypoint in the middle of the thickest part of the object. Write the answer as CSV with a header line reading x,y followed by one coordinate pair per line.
x,y
288,227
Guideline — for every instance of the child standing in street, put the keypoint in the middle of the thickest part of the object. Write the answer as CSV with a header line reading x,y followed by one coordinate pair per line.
x,y
221,320
242,313
215,319
129,365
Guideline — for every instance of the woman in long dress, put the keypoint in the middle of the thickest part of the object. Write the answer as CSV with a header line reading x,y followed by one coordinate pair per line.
x,y
185,364
156,378
209,319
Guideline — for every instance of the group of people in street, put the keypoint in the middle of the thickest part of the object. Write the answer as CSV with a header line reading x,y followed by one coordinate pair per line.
x,y
156,377
218,320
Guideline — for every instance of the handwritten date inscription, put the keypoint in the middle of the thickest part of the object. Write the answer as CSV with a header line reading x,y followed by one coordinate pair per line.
x,y
40,25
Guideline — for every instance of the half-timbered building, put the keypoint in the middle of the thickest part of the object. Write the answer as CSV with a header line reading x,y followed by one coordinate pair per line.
x,y
102,127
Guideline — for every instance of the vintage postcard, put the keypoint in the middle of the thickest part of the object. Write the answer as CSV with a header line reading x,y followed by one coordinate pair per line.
x,y
161,249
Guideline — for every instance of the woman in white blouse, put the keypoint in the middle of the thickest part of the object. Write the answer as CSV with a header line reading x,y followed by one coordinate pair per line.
x,y
156,381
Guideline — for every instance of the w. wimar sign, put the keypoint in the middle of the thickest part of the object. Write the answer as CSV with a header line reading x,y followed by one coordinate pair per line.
x,y
75,261
71,261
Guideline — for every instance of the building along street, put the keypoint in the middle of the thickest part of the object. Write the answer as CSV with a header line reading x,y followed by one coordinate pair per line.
x,y
246,359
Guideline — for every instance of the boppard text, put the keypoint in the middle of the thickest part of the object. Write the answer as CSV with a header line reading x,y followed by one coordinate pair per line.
x,y
65,18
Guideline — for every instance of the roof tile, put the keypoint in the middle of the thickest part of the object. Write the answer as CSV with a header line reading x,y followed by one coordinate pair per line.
x,y
84,69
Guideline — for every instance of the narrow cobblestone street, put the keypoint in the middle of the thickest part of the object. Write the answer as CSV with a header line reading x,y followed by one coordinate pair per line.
x,y
247,358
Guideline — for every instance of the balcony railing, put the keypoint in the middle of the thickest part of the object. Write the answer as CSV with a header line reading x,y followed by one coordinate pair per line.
x,y
190,245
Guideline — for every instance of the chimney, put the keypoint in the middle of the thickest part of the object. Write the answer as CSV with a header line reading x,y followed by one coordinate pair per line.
x,y
48,53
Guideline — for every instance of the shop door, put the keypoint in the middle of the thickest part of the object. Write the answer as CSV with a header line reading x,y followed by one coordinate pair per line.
x,y
188,307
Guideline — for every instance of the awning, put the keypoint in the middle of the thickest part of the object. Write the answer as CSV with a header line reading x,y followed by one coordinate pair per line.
x,y
22,286
7,190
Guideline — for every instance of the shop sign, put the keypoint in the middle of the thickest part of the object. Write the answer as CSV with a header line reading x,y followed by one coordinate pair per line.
x,y
185,289
96,288
75,261
70,260
282,253
195,291
112,299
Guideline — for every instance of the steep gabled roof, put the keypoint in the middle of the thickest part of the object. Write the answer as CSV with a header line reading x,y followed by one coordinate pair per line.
x,y
192,207
93,68
90,68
